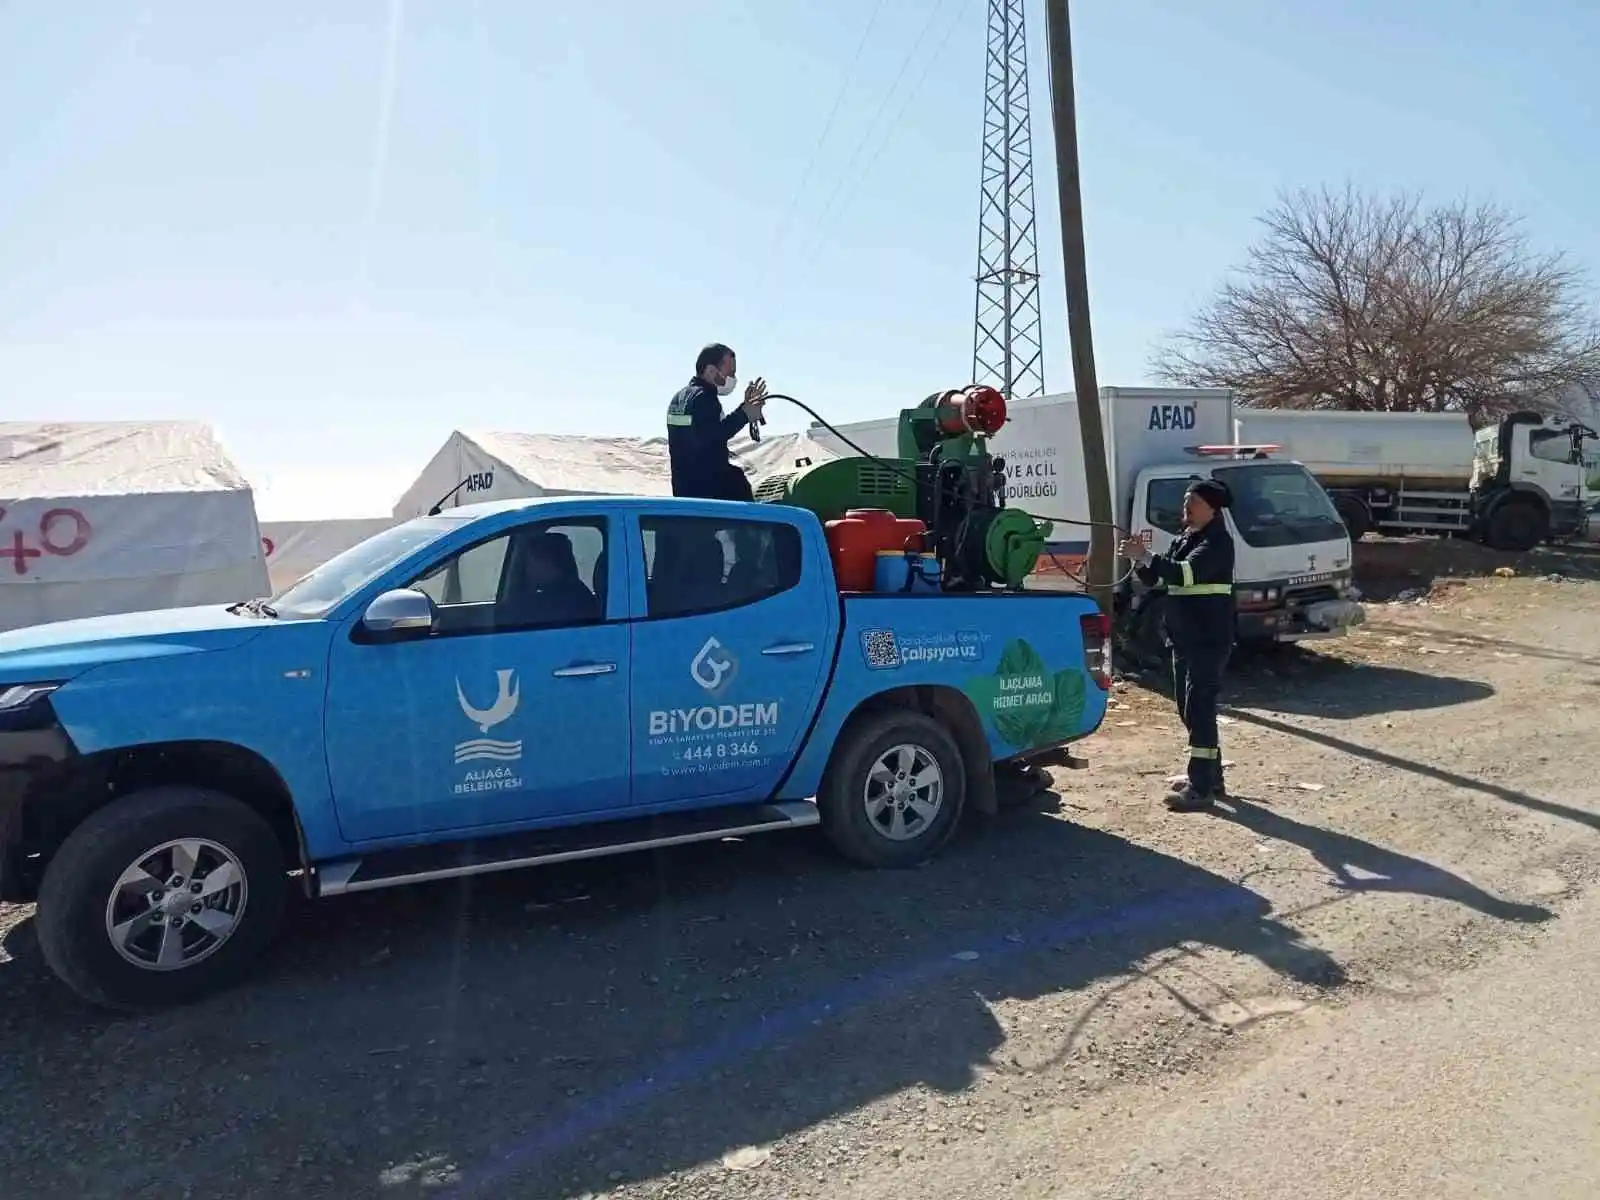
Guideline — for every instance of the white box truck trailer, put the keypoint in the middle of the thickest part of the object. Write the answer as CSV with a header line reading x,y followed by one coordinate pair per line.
x,y
1513,484
1292,573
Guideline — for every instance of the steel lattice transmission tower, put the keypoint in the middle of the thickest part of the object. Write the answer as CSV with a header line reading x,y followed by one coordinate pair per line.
x,y
1007,347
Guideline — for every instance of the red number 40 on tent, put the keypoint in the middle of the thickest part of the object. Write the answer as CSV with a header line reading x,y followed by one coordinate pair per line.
x,y
62,533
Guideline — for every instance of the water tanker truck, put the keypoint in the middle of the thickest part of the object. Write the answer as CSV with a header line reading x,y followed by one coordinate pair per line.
x,y
1512,485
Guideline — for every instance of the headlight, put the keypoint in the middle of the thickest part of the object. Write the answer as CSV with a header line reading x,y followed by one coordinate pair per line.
x,y
1253,596
18,695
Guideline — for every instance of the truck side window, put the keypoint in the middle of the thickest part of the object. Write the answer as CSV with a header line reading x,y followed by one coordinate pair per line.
x,y
704,564
541,576
1551,445
1164,505
470,577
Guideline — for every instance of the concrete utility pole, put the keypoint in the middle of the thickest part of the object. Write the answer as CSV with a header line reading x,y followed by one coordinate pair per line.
x,y
1075,274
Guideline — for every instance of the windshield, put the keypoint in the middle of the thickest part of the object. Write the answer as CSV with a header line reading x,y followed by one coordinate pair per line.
x,y
1280,504
315,594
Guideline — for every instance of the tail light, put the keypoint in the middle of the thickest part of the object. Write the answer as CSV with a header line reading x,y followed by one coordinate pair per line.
x,y
1096,629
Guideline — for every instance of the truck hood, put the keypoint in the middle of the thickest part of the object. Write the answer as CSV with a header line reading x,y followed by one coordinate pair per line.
x,y
62,650
1291,562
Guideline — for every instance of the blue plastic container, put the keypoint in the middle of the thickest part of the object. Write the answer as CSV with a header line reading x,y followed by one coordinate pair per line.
x,y
898,571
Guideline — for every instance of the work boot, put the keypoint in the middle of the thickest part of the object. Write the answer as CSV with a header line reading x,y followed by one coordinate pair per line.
x,y
1180,783
1188,798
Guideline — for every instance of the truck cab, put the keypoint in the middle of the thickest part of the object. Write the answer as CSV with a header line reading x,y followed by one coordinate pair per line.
x,y
1529,481
1292,566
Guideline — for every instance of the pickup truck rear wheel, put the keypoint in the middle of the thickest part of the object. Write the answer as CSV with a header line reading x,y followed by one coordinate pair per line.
x,y
161,897
895,790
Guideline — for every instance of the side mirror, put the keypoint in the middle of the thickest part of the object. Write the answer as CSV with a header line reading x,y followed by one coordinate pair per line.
x,y
400,613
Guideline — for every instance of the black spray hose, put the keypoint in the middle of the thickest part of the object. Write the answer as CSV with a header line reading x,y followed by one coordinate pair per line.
x,y
896,469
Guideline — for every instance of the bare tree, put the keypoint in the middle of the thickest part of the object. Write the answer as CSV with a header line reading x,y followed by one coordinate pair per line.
x,y
1389,304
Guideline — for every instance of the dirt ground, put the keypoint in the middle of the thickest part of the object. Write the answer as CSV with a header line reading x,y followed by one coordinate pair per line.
x,y
753,1019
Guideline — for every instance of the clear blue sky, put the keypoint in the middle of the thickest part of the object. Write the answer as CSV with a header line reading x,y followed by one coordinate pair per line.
x,y
340,228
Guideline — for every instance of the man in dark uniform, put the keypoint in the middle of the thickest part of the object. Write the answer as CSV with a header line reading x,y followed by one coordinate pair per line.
x,y
698,431
1197,574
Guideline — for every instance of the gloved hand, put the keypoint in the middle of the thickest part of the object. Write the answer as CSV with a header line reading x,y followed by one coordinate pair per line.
x,y
1135,550
755,400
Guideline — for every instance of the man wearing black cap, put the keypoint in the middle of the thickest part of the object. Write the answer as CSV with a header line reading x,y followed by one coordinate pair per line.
x,y
698,432
1197,573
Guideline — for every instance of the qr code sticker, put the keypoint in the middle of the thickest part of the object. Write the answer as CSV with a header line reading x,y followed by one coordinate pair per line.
x,y
879,649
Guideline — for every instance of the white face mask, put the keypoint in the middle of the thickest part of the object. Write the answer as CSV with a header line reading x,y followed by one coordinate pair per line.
x,y
726,386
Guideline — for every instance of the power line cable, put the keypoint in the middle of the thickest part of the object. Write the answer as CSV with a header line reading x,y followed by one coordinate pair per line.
x,y
894,126
872,126
816,151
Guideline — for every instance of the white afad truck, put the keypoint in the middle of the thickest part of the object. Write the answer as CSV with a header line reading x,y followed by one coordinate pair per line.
x,y
1512,485
1292,568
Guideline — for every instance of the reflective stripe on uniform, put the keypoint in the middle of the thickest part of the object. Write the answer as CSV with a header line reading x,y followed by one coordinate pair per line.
x,y
679,419
1200,589
1204,752
1186,573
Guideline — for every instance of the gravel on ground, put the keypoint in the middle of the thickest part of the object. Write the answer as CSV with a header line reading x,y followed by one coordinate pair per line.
x,y
754,1019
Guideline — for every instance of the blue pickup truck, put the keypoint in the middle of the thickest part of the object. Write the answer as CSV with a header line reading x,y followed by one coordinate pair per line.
x,y
501,686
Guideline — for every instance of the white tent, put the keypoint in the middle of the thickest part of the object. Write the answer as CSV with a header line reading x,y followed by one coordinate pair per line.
x,y
295,548
473,467
121,517
781,452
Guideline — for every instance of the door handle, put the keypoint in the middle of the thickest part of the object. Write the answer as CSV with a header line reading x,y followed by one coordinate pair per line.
x,y
578,670
783,648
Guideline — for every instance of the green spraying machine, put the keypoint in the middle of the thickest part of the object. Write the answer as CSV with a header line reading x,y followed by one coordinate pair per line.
x,y
946,478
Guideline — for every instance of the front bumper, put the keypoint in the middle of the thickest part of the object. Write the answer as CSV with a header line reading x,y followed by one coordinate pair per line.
x,y
1280,626
1300,620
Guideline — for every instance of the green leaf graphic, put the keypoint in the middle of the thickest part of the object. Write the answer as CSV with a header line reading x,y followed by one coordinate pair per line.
x,y
1015,727
1041,715
1018,724
1064,720
1019,658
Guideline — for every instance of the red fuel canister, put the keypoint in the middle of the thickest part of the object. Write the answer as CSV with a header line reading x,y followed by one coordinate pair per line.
x,y
855,539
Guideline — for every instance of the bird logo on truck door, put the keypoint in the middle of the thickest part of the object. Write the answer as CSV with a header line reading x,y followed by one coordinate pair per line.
x,y
507,696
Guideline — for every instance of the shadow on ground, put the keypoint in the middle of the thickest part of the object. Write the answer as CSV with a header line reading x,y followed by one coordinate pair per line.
x,y
1492,644
560,1032
1356,865
1467,783
1301,682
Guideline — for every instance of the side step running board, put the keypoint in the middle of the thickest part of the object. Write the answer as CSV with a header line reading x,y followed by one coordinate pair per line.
x,y
392,868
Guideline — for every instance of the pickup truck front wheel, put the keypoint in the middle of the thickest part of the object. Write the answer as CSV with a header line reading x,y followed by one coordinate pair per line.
x,y
160,897
894,792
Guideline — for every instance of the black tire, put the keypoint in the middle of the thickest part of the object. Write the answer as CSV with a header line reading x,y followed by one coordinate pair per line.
x,y
844,797
76,894
1517,527
1357,520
